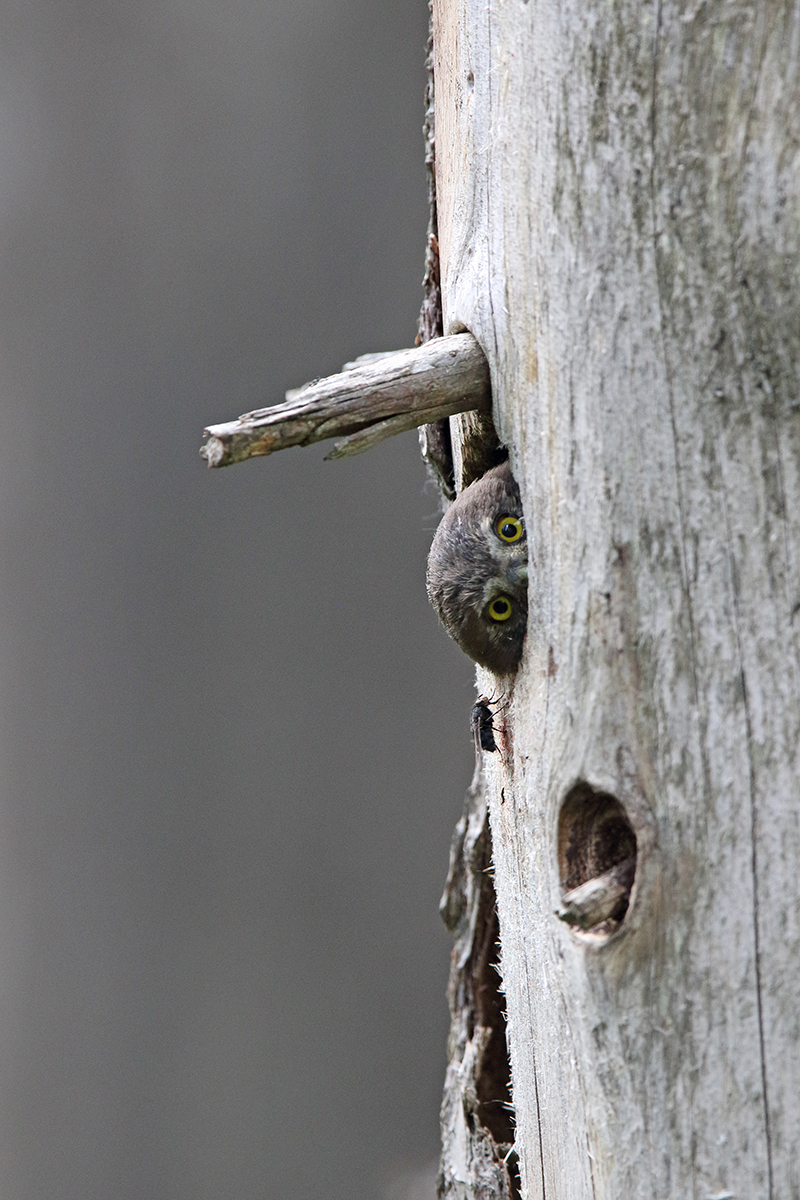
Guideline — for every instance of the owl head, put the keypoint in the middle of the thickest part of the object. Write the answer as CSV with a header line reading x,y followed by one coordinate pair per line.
x,y
478,571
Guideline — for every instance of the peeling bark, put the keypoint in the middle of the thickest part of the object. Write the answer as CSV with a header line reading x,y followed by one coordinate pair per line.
x,y
478,1156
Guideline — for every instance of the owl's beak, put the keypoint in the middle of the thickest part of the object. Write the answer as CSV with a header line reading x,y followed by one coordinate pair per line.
x,y
517,572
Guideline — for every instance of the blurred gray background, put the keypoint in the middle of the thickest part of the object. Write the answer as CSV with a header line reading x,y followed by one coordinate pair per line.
x,y
234,741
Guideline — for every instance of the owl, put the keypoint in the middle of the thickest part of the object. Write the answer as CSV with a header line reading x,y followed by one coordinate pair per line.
x,y
478,571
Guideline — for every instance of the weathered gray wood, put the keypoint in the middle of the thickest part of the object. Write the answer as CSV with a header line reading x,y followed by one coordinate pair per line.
x,y
619,226
376,397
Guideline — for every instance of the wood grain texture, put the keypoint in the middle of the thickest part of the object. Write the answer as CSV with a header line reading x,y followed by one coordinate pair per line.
x,y
378,396
619,227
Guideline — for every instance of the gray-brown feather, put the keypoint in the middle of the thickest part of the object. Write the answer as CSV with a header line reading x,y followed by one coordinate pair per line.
x,y
469,565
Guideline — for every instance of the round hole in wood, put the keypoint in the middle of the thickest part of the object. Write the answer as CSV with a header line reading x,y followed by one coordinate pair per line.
x,y
596,860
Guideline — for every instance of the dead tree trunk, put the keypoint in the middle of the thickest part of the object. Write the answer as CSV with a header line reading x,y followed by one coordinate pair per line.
x,y
619,226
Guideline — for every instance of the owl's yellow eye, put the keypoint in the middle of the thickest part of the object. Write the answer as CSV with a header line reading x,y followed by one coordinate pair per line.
x,y
508,528
500,608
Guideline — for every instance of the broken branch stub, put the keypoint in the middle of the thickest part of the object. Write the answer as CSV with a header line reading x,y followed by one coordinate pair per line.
x,y
375,398
602,899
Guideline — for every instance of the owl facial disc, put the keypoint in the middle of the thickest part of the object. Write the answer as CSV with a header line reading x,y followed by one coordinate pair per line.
x,y
478,571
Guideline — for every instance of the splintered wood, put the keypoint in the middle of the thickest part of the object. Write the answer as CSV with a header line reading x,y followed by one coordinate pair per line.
x,y
376,397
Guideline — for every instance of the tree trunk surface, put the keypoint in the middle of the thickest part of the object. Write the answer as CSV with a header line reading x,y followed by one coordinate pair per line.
x,y
618,196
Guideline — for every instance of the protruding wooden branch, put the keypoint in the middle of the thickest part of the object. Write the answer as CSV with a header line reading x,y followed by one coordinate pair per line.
x,y
375,398
600,899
